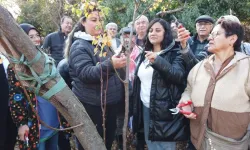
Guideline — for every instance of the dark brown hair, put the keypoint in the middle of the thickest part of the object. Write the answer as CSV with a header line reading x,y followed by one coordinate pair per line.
x,y
168,38
233,28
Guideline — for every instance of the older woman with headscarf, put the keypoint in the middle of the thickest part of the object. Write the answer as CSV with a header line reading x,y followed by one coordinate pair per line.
x,y
219,88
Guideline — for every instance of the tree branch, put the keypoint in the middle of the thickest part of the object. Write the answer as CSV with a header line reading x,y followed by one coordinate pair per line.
x,y
162,13
146,9
15,42
52,17
126,83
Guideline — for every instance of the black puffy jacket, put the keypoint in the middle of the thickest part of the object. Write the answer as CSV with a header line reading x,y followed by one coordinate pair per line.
x,y
86,68
168,83
63,68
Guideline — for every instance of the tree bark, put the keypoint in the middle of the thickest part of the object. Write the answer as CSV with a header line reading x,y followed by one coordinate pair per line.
x,y
15,42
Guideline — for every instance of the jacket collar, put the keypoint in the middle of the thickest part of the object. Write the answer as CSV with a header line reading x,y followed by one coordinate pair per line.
x,y
83,35
169,47
237,57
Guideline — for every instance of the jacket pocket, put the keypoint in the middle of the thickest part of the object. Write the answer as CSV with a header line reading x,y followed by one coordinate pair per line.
x,y
161,110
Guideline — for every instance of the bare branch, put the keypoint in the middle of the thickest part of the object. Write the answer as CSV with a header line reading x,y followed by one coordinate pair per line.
x,y
162,13
52,17
126,84
146,9
60,9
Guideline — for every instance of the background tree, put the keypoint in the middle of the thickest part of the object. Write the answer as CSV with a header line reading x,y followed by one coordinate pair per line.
x,y
215,9
46,14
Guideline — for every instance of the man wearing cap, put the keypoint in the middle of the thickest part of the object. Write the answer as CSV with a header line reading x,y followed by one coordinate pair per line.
x,y
125,36
54,43
204,25
194,49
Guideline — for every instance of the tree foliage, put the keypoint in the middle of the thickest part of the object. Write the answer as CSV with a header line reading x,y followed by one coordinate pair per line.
x,y
46,14
215,9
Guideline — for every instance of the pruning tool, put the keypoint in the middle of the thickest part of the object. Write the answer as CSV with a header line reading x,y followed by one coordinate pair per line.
x,y
179,109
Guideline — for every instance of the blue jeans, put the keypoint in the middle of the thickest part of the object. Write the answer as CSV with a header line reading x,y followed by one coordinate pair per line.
x,y
154,145
50,144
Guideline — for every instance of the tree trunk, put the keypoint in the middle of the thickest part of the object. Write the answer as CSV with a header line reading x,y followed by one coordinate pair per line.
x,y
15,42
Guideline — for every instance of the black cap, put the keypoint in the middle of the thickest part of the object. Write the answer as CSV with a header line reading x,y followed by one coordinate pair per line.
x,y
205,18
126,30
27,27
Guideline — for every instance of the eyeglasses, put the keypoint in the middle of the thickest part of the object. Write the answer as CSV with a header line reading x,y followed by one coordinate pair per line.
x,y
214,35
203,24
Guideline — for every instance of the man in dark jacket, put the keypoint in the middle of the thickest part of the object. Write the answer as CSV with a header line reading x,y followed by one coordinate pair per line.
x,y
55,41
196,49
204,25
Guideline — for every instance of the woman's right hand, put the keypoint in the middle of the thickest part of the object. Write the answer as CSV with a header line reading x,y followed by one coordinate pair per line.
x,y
21,132
188,108
191,116
119,62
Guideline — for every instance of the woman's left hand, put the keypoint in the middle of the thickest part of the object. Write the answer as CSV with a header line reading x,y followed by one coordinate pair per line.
x,y
151,56
191,116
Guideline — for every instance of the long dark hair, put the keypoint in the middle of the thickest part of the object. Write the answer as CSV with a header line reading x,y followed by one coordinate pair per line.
x,y
168,38
77,27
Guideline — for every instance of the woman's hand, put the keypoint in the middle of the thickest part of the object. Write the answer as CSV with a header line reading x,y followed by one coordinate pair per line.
x,y
21,132
191,116
151,56
119,61
188,108
183,36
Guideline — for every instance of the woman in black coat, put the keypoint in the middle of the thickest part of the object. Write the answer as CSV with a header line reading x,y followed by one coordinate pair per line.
x,y
94,80
160,79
